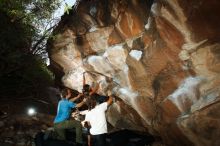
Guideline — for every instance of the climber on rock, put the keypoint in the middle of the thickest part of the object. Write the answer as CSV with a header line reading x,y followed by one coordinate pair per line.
x,y
62,121
87,89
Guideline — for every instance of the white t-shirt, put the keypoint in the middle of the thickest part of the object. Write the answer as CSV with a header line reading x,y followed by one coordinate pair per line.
x,y
96,118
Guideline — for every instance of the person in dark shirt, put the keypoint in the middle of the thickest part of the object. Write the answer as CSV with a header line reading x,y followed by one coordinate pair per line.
x,y
87,89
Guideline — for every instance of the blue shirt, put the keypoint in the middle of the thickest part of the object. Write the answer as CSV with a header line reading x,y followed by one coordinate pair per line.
x,y
64,110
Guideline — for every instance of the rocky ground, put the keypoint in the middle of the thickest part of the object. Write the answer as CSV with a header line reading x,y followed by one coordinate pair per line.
x,y
21,130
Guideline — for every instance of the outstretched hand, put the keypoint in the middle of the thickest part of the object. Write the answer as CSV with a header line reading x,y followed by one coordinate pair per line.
x,y
109,93
80,94
74,114
85,100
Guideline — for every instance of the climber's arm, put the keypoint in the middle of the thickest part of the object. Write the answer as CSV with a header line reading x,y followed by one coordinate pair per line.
x,y
77,97
95,89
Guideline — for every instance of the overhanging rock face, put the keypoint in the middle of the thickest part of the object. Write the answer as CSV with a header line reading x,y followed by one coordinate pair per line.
x,y
161,58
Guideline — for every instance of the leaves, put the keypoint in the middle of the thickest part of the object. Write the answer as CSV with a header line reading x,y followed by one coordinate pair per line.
x,y
24,28
67,8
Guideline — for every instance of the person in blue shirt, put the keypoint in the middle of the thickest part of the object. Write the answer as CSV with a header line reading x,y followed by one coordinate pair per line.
x,y
62,120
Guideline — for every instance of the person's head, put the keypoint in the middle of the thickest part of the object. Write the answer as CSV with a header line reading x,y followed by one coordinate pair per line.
x,y
96,97
91,103
66,93
86,89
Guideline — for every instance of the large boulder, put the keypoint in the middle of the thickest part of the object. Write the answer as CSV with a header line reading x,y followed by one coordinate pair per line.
x,y
160,58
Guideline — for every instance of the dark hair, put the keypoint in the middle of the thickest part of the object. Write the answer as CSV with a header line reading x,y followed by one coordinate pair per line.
x,y
95,96
64,92
91,103
99,98
86,89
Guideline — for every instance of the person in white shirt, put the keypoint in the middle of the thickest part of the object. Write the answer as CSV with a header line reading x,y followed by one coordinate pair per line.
x,y
96,118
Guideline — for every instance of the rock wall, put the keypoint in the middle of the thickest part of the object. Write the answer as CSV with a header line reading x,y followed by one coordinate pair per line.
x,y
161,58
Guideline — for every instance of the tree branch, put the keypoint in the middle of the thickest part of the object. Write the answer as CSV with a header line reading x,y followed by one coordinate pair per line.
x,y
34,48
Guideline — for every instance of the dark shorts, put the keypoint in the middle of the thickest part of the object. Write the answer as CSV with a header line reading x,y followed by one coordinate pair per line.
x,y
99,140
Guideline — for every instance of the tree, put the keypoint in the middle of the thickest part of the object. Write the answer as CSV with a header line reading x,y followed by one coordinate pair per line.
x,y
24,28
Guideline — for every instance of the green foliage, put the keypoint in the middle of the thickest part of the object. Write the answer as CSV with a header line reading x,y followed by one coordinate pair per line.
x,y
36,16
67,8
30,79
22,72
